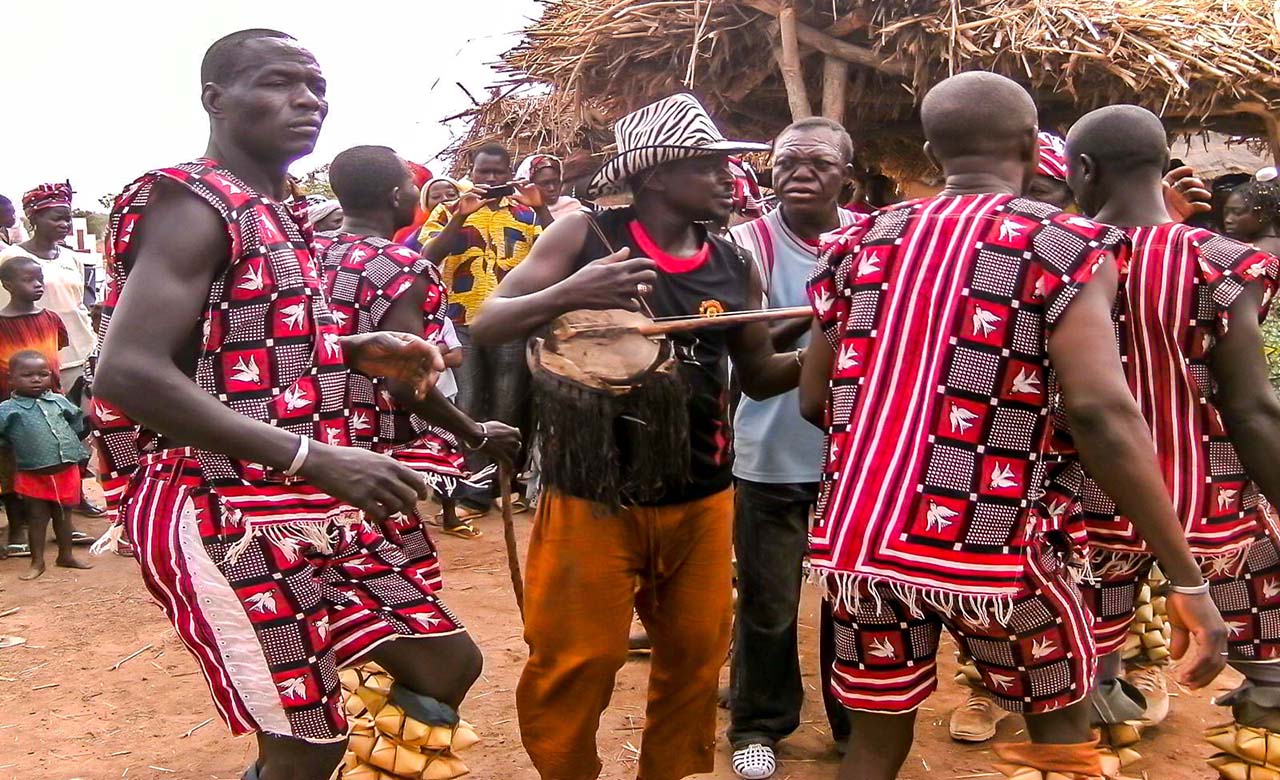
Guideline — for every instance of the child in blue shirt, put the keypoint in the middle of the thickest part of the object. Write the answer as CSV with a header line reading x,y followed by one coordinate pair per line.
x,y
44,429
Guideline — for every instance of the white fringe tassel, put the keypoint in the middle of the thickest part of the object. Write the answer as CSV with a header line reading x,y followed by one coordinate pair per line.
x,y
847,590
109,541
1114,564
289,537
446,484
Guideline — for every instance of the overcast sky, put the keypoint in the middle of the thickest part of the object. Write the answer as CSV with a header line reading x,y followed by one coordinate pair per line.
x,y
101,91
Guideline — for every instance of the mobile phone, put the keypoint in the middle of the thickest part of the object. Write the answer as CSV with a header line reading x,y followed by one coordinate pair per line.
x,y
500,191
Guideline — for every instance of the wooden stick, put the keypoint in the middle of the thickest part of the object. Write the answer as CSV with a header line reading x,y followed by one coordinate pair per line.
x,y
131,656
739,318
817,39
835,86
506,485
787,54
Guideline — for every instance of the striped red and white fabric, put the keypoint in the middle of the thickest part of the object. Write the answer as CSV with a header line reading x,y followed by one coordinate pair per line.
x,y
1181,282
939,312
270,627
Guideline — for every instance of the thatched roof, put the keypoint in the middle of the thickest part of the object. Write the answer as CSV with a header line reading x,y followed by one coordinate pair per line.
x,y
585,62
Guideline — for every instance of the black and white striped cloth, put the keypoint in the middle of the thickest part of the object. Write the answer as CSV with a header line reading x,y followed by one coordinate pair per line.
x,y
673,128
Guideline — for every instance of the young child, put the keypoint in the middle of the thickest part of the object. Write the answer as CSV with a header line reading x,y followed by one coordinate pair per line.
x,y
44,429
23,325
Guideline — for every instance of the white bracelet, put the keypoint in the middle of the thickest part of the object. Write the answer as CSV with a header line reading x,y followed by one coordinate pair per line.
x,y
299,457
1190,590
484,439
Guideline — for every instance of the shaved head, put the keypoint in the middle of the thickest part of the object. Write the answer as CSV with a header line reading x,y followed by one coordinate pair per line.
x,y
1120,139
1115,151
978,114
224,59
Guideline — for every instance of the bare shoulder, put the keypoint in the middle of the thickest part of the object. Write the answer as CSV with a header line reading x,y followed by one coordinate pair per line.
x,y
178,228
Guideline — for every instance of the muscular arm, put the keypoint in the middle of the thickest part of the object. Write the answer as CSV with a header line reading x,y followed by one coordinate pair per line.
x,y
1115,446
544,285
532,294
144,362
763,372
1108,429
815,377
785,334
1248,404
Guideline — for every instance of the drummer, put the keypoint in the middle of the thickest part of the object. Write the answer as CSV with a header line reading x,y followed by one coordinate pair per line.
x,y
584,560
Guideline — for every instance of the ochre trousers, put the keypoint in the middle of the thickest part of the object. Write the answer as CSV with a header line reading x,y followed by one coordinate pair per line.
x,y
580,587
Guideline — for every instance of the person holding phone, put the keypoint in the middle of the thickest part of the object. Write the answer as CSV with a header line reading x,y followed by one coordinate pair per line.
x,y
476,240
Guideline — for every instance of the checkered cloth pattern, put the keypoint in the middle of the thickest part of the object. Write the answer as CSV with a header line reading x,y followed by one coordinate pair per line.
x,y
939,312
270,627
1173,305
364,277
1245,588
1038,658
268,349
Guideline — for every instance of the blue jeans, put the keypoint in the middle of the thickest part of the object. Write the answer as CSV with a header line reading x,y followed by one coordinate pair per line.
x,y
770,539
493,384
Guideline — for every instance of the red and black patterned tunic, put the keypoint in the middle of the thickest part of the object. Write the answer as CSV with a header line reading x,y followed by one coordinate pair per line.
x,y
364,276
1174,304
268,348
939,312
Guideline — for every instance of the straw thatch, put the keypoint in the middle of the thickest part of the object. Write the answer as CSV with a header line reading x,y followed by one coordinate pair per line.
x,y
1192,61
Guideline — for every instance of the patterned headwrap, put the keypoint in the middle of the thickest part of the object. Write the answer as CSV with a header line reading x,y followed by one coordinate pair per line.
x,y
1053,157
536,162
47,196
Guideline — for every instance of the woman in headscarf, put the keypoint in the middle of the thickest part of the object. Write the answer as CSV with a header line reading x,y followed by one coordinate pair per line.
x,y
48,209
439,190
325,215
408,235
547,171
1251,213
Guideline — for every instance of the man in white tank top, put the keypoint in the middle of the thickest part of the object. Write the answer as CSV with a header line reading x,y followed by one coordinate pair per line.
x,y
779,457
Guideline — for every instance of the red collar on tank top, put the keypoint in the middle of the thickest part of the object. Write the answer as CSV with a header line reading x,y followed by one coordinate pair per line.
x,y
666,262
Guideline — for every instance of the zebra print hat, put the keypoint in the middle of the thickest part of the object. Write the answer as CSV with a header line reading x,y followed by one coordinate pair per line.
x,y
674,128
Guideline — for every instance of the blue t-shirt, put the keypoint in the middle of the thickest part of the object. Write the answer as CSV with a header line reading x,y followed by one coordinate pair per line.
x,y
773,444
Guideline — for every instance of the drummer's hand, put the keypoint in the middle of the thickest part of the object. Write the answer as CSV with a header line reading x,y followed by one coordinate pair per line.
x,y
616,281
401,356
501,441
1185,194
1196,618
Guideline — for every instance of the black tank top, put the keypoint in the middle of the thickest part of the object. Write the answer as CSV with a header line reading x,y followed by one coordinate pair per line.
x,y
713,281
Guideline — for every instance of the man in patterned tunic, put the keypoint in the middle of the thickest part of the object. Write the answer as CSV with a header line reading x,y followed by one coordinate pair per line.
x,y
256,528
374,284
1202,387
938,322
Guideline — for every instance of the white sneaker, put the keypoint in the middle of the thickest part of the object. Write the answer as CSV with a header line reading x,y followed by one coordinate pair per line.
x,y
754,762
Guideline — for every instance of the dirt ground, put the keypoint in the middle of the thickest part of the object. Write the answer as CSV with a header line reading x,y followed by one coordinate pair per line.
x,y
102,689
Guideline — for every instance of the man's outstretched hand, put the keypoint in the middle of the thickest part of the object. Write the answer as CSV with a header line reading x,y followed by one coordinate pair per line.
x,y
1185,194
1196,618
401,356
